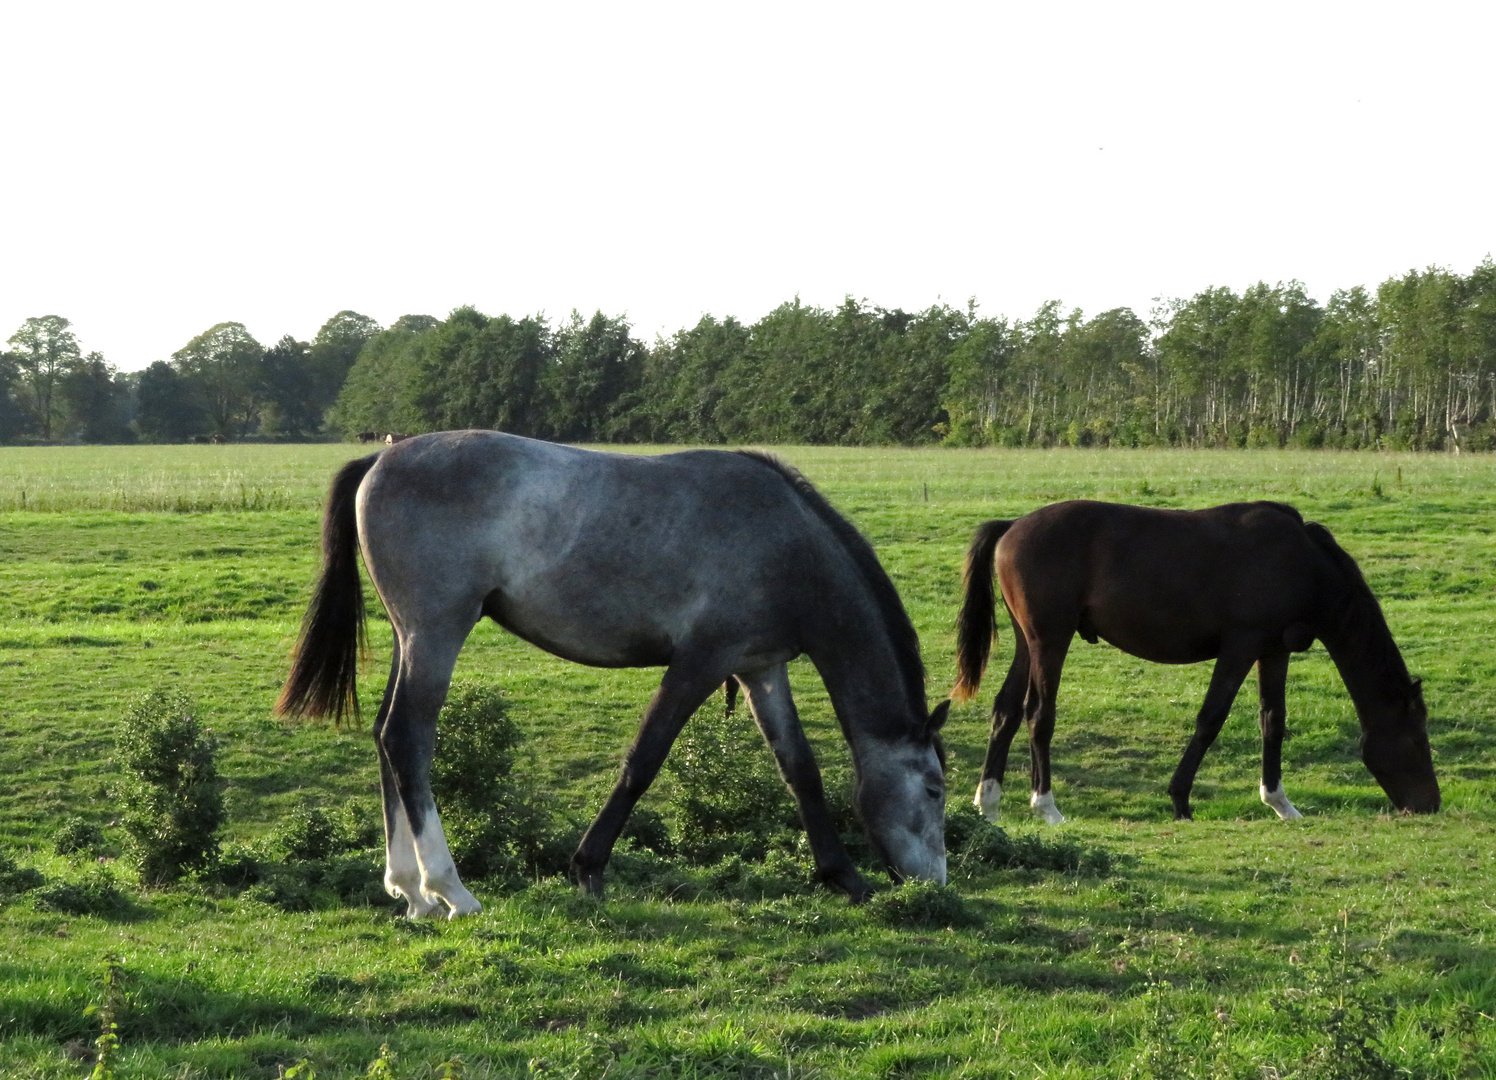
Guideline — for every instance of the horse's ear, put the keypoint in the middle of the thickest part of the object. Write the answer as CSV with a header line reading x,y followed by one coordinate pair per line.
x,y
937,717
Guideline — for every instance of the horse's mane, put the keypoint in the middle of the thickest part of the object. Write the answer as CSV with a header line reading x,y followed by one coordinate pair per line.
x,y
1356,613
895,618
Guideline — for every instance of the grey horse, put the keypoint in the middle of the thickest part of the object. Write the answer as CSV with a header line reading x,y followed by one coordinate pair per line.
x,y
713,564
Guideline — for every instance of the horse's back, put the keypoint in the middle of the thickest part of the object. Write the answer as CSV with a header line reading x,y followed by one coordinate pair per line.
x,y
1160,583
604,558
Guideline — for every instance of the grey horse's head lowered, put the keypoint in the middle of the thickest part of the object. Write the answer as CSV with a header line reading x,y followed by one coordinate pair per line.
x,y
900,798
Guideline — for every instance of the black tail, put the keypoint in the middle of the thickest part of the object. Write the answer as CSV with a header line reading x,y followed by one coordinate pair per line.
x,y
976,626
324,667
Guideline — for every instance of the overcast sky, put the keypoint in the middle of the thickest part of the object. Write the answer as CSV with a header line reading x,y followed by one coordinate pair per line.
x,y
166,167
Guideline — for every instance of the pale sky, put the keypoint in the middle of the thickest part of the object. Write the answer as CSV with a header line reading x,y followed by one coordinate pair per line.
x,y
164,167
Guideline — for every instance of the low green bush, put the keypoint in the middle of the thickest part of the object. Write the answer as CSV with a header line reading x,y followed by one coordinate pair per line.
x,y
727,797
496,823
95,894
920,904
172,803
78,836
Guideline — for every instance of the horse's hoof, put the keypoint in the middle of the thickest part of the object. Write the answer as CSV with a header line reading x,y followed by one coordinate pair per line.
x,y
590,883
1045,809
989,800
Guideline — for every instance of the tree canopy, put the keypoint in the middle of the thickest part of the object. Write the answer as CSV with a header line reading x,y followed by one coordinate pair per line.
x,y
1408,364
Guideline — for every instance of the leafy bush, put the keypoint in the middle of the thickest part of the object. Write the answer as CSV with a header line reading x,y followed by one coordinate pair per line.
x,y
922,904
972,839
15,880
78,837
728,797
494,823
309,833
96,894
172,802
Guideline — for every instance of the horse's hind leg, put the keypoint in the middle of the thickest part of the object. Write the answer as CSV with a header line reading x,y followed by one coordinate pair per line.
x,y
1007,715
1047,661
1231,668
406,737
402,872
682,691
768,693
1272,683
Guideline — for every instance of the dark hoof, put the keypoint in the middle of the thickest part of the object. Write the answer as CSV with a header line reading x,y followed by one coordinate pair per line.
x,y
589,882
849,881
1184,815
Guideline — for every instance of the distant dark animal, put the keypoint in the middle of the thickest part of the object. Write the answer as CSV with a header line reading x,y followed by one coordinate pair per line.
x,y
715,565
391,439
368,436
218,438
200,440
1242,584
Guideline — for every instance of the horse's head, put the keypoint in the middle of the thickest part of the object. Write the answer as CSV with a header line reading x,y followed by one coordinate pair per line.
x,y
1396,752
900,798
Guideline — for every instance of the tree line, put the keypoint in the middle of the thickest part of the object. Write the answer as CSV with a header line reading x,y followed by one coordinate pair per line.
x,y
1408,365
223,382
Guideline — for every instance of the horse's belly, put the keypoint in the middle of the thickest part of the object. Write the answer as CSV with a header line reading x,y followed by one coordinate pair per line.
x,y
583,637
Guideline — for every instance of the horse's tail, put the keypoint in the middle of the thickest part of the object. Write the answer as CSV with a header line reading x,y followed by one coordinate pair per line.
x,y
324,667
976,626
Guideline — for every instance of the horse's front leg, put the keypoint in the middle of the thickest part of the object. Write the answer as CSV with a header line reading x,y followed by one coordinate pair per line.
x,y
1007,717
1272,685
418,864
686,685
1231,668
768,693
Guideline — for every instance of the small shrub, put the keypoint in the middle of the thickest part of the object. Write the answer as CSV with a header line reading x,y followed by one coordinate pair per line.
x,y
494,823
78,837
921,904
728,796
172,802
15,880
309,833
96,894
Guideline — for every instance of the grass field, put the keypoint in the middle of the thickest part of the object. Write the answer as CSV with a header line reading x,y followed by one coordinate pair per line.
x,y
1193,955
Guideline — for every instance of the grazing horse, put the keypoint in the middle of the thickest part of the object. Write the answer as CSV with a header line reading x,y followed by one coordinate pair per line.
x,y
712,564
1242,584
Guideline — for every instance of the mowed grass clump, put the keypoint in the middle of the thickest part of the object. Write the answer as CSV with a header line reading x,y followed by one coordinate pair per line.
x,y
1121,943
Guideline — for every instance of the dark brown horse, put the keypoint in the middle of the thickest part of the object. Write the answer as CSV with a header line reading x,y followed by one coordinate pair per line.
x,y
1242,584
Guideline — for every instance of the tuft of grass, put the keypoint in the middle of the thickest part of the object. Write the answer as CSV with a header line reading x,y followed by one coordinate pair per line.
x,y
920,904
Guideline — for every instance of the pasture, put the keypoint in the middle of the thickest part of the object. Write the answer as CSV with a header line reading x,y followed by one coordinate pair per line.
x,y
1200,948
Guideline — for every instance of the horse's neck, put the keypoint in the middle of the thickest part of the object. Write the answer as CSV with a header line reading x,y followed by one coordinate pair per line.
x,y
865,680
1368,660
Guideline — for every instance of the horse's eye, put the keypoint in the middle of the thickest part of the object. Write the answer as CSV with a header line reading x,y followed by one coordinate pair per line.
x,y
933,792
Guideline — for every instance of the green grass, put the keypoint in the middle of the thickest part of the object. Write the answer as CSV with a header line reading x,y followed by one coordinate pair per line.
x,y
131,567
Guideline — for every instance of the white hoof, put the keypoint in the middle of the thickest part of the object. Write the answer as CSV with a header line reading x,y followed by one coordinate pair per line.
x,y
458,900
1044,807
416,905
988,799
1279,802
